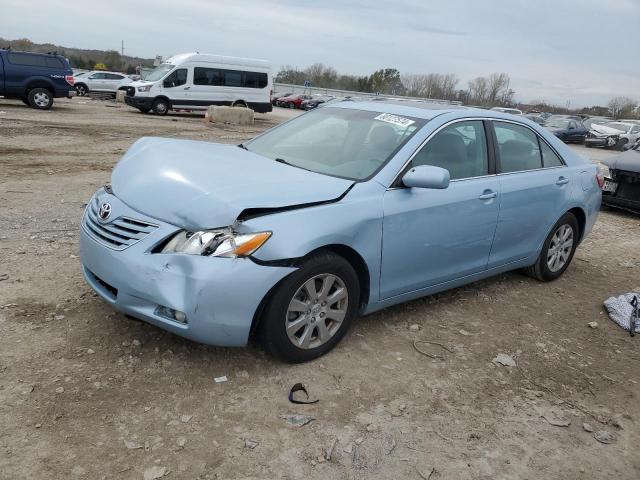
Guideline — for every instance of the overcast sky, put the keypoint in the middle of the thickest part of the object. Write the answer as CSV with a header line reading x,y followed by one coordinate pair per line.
x,y
582,51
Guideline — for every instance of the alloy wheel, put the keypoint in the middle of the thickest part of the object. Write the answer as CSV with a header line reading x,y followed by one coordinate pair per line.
x,y
41,99
560,248
316,311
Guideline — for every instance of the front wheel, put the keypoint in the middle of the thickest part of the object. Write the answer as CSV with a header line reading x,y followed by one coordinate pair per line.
x,y
160,107
40,98
310,310
557,251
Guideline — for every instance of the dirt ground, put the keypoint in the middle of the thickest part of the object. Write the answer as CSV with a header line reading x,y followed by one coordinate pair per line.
x,y
86,393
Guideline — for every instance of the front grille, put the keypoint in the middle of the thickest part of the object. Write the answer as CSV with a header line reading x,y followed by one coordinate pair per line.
x,y
117,234
131,91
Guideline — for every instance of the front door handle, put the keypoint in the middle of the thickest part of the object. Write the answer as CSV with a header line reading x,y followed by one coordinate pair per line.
x,y
562,181
187,88
488,195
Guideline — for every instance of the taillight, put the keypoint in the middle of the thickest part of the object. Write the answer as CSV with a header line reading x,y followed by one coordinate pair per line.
x,y
70,80
600,180
270,96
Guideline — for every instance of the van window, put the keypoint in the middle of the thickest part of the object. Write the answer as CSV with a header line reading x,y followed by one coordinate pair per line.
x,y
255,80
178,77
35,60
229,78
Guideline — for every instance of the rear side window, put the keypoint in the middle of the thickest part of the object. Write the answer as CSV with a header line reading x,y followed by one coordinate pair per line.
x,y
113,76
229,78
518,147
255,80
460,148
35,60
549,157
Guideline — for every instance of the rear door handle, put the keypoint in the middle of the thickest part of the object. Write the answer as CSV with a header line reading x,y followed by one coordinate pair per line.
x,y
488,195
187,88
562,181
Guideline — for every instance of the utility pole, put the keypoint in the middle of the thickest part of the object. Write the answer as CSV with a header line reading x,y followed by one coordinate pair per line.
x,y
122,47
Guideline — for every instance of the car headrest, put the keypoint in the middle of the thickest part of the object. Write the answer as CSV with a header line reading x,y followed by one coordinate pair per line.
x,y
384,137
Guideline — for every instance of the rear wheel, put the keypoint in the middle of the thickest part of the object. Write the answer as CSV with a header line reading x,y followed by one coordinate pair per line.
x,y
81,89
557,251
621,144
40,98
160,106
310,310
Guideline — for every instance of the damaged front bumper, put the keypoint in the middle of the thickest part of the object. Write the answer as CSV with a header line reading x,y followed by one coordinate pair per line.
x,y
205,299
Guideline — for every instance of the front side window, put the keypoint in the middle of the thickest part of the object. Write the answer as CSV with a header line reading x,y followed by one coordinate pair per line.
x,y
340,142
176,78
460,148
518,148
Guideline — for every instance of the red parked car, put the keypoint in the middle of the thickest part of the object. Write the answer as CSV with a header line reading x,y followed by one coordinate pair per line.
x,y
293,101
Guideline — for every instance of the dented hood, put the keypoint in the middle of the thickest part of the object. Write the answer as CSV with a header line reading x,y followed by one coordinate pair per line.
x,y
197,185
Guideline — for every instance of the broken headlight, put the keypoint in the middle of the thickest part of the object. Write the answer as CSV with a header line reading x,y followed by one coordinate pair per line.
x,y
216,243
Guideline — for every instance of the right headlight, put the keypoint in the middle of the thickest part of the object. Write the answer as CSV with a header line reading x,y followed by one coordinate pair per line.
x,y
216,243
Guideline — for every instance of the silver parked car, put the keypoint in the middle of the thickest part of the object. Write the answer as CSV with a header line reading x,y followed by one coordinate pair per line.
x,y
99,81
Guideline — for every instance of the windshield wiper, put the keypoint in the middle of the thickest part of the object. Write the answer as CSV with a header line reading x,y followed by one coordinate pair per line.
x,y
243,147
282,160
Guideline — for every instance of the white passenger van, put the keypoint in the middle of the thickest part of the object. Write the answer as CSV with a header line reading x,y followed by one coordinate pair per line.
x,y
193,81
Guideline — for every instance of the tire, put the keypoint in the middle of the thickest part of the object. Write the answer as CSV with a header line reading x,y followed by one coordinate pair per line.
x,y
81,89
621,144
296,292
542,270
40,98
144,110
239,104
160,106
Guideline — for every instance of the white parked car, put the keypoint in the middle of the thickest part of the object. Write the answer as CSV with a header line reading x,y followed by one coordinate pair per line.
x,y
193,81
99,81
512,111
613,135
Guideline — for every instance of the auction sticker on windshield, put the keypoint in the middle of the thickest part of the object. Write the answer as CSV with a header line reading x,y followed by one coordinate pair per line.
x,y
394,119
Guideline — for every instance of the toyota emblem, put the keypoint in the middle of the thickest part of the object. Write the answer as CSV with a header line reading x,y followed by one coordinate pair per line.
x,y
105,211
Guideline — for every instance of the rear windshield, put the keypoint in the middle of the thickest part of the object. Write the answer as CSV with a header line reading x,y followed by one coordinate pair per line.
x,y
340,142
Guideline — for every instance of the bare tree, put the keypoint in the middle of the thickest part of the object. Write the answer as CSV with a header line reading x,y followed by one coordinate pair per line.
x,y
622,106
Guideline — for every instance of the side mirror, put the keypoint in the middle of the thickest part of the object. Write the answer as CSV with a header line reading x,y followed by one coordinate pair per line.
x,y
426,176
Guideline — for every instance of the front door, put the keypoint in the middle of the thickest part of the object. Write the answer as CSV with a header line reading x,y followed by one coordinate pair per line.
x,y
176,88
434,236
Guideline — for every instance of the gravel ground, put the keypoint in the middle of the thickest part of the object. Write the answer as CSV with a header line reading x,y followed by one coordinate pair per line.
x,y
86,393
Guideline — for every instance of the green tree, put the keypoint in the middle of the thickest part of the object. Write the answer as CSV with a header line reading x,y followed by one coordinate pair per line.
x,y
387,81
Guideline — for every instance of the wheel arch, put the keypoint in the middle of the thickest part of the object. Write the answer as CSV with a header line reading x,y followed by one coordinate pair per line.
x,y
235,103
39,83
348,253
162,97
581,216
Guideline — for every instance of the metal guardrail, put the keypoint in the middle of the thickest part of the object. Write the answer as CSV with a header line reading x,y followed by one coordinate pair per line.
x,y
301,89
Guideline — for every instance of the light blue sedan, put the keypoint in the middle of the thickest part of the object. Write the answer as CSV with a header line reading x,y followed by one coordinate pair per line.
x,y
340,212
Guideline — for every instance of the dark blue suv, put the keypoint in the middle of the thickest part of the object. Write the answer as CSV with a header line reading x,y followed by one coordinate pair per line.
x,y
35,78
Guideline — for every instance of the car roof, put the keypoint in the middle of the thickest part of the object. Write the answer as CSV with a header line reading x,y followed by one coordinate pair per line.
x,y
422,109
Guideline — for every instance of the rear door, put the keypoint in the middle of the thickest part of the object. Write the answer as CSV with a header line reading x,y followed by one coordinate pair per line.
x,y
535,186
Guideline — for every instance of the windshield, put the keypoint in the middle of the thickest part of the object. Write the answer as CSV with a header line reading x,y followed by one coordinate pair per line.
x,y
158,72
618,126
341,142
558,123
